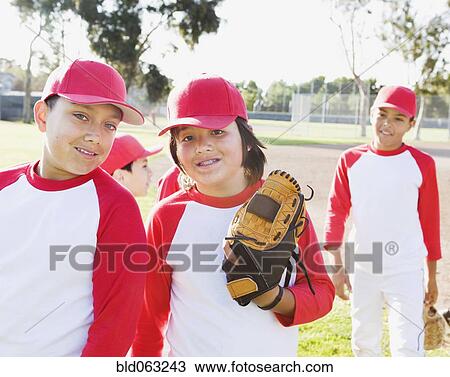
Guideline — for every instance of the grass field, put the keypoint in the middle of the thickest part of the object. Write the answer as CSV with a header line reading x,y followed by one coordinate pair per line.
x,y
331,133
329,336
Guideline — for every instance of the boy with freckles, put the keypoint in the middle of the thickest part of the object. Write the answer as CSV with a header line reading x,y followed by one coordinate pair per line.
x,y
391,189
70,286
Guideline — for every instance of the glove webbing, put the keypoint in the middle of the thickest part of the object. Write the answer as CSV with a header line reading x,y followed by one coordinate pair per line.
x,y
296,257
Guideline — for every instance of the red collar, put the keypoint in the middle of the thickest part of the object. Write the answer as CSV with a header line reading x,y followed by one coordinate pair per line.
x,y
53,185
394,152
227,202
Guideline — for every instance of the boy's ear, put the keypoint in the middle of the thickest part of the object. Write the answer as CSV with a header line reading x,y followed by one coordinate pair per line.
x,y
40,115
118,175
412,123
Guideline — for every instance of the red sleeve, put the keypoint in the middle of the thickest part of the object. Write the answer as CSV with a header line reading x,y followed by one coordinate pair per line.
x,y
428,204
118,276
11,175
152,322
309,306
339,202
149,339
168,183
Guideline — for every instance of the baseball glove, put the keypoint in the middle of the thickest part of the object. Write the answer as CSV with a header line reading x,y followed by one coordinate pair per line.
x,y
263,236
434,328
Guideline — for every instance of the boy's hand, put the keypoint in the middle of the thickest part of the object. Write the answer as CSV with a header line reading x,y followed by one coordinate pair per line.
x,y
266,298
228,252
431,294
340,280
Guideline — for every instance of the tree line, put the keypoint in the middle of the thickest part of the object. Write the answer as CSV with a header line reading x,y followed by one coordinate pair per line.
x,y
121,32
279,94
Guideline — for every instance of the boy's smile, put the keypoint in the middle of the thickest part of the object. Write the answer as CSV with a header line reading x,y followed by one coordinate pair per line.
x,y
86,153
208,162
78,137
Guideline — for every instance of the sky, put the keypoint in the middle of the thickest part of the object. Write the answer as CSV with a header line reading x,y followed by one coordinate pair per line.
x,y
261,40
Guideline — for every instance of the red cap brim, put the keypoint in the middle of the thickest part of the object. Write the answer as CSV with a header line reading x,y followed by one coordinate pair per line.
x,y
130,114
152,151
395,107
213,122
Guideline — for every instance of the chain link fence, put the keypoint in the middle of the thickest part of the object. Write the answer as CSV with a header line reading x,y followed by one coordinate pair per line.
x,y
316,109
321,114
344,109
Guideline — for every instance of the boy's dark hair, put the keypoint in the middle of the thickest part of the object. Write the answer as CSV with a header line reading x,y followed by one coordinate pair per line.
x,y
128,167
253,158
51,101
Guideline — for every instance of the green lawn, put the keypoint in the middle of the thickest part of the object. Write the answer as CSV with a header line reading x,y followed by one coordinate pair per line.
x,y
332,133
329,336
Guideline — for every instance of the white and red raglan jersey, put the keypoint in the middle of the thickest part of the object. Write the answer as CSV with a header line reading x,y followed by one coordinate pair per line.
x,y
168,183
85,301
186,232
394,200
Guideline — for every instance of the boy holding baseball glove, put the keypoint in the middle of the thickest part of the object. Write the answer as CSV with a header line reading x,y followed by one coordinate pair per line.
x,y
248,299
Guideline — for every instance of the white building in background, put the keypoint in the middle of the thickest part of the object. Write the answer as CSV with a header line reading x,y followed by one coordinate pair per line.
x,y
6,81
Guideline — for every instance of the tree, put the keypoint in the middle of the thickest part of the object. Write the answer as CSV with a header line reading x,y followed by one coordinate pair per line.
x,y
312,86
278,96
343,85
45,11
120,31
439,84
353,14
117,32
37,81
9,66
420,43
157,85
250,92
342,93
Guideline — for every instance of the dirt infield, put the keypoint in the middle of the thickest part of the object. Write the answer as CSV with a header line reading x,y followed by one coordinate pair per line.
x,y
314,165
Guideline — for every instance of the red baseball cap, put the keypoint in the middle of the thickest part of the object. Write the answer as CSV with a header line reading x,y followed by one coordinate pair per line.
x,y
397,97
206,101
89,82
126,149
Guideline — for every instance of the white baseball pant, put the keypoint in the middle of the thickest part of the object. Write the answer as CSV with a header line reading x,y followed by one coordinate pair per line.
x,y
403,295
